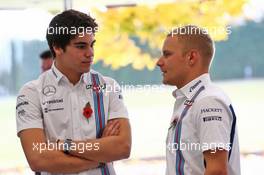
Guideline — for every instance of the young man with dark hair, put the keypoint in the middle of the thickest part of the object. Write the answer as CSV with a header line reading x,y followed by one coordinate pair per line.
x,y
46,60
202,138
72,119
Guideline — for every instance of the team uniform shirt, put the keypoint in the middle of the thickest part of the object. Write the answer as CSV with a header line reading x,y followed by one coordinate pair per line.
x,y
203,119
53,104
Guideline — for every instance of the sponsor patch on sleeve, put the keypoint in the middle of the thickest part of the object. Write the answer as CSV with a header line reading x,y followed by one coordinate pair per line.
x,y
212,118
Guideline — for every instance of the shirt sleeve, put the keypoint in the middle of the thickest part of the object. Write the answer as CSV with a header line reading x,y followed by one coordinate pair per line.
x,y
214,124
117,108
28,109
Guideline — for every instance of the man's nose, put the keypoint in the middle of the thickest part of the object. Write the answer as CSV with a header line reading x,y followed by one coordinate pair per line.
x,y
89,52
159,62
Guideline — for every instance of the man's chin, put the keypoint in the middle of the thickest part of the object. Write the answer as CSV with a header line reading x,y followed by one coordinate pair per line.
x,y
167,82
86,70
164,81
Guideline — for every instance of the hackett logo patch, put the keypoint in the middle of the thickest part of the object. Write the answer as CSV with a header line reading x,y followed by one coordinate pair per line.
x,y
219,110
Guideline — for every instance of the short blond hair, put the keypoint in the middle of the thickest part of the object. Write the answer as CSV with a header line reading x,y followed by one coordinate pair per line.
x,y
194,37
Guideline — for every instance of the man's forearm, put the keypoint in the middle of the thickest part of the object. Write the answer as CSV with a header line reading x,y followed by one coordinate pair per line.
x,y
108,149
216,162
58,162
216,172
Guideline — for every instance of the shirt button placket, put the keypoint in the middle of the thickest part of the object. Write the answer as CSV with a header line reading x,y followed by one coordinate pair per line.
x,y
75,115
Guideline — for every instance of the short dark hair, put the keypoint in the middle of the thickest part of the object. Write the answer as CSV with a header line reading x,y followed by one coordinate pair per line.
x,y
68,20
45,55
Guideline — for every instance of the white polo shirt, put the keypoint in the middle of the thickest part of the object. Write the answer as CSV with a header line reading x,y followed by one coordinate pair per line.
x,y
203,119
52,103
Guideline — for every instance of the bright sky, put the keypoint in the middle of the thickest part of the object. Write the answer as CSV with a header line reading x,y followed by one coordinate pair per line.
x,y
254,10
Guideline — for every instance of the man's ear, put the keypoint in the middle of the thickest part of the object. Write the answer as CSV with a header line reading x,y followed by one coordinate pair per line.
x,y
193,57
58,50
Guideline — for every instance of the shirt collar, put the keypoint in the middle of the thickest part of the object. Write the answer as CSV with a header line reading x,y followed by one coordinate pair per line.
x,y
192,87
58,75
86,77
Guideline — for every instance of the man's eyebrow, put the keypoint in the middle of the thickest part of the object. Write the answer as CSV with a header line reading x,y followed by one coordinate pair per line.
x,y
80,43
84,43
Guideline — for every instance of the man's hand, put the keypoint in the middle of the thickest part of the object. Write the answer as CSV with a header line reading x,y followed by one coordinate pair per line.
x,y
115,143
44,160
112,128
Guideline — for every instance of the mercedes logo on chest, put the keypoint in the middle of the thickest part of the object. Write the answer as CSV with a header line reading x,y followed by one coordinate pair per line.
x,y
49,90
